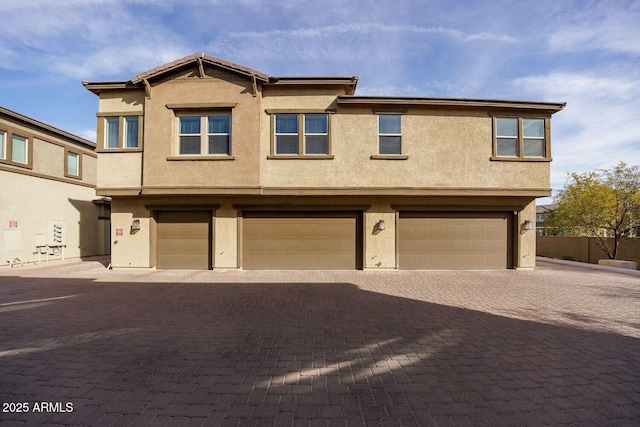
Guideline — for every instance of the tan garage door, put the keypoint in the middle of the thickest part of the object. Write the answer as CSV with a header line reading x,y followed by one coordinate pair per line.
x,y
183,240
454,241
300,241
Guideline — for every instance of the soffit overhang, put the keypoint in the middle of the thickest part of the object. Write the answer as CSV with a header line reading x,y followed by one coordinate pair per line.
x,y
366,101
350,83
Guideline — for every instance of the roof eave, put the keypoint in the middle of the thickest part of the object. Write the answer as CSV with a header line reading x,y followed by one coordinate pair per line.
x,y
47,128
199,58
552,107
97,87
349,82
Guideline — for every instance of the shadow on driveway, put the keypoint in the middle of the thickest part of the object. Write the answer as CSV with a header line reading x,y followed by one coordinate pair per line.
x,y
272,353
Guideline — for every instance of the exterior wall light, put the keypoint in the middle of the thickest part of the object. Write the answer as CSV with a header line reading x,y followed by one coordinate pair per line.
x,y
135,224
380,224
528,225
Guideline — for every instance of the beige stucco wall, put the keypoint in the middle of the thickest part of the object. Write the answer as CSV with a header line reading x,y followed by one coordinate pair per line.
x,y
119,170
121,101
380,245
160,138
132,249
444,151
526,251
33,202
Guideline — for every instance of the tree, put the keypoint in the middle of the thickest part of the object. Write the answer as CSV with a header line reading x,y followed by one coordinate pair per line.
x,y
600,204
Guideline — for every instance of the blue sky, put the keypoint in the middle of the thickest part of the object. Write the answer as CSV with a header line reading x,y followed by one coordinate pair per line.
x,y
585,53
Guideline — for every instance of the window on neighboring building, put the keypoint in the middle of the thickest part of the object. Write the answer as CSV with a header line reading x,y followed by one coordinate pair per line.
x,y
19,149
215,141
121,132
301,134
16,147
520,138
73,164
3,144
389,134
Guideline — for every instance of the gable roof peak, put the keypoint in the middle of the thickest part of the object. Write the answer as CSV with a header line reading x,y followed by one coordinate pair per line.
x,y
197,58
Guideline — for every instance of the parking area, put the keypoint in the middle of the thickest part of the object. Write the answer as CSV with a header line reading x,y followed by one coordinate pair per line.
x,y
83,345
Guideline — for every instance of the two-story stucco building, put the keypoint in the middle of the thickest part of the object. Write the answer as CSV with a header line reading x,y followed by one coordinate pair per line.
x,y
211,164
48,204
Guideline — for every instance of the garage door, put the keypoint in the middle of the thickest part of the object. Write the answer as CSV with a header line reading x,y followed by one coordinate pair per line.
x,y
300,241
454,241
183,239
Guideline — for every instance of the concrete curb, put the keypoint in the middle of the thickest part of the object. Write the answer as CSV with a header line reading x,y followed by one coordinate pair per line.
x,y
628,272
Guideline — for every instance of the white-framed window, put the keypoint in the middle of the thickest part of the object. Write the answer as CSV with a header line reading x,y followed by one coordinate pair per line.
x,y
520,138
121,132
533,140
316,134
3,144
131,133
219,134
73,164
300,134
19,149
208,134
389,134
111,132
16,147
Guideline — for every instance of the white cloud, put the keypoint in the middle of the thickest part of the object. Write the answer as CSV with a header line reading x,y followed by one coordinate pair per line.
x,y
356,41
599,127
82,39
600,26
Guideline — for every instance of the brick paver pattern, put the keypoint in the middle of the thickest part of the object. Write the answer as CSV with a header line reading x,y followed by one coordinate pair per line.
x,y
555,346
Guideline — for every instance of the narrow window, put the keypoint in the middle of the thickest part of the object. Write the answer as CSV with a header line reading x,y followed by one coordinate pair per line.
x,y
19,149
533,137
507,137
73,164
316,135
390,134
189,135
219,134
112,132
3,144
286,134
131,132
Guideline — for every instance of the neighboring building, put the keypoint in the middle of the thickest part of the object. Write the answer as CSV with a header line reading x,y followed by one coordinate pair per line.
x,y
211,164
543,229
48,181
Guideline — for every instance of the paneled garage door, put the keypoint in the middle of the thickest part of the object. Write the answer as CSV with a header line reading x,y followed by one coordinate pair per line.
x,y
455,241
183,239
300,241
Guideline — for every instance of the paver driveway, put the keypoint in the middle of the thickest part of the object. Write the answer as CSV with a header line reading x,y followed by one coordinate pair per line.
x,y
559,345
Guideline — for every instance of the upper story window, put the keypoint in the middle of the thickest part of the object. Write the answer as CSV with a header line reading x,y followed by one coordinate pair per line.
x,y
521,138
15,148
19,149
301,135
3,144
204,134
73,164
119,132
389,134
